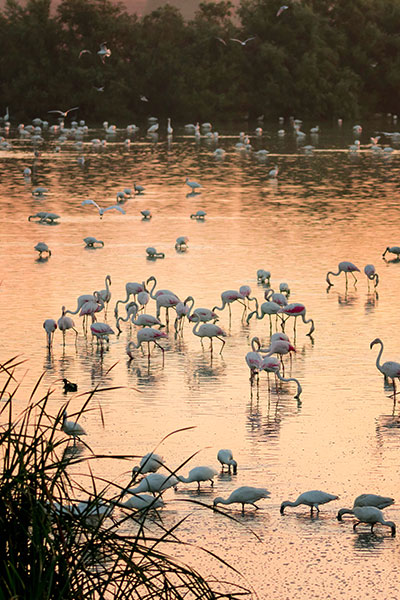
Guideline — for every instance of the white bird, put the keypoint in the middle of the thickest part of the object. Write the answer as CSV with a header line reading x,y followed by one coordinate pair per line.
x,y
132,289
105,294
72,428
281,10
366,500
103,210
142,502
146,213
153,129
371,274
39,191
64,323
312,498
104,52
244,495
225,457
181,242
101,331
155,483
50,326
170,130
273,173
82,52
244,42
91,242
372,516
271,365
346,267
199,474
139,189
146,335
209,330
42,247
150,463
390,369
63,113
193,184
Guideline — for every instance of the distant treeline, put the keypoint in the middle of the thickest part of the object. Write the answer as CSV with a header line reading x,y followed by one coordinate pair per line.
x,y
318,58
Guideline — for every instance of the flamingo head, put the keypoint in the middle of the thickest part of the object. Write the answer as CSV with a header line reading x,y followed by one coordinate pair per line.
x,y
375,341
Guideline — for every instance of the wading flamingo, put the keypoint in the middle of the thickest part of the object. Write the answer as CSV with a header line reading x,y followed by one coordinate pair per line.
x,y
193,185
227,298
42,247
371,274
277,297
280,347
202,314
254,359
313,499
209,330
343,267
271,365
50,326
245,290
146,335
266,308
91,242
181,243
200,215
132,289
393,250
263,276
64,323
101,331
390,369
225,457
105,295
244,495
142,320
372,516
296,310
366,500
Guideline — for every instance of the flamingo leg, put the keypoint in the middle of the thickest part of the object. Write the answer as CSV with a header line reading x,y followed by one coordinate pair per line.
x,y
355,278
223,343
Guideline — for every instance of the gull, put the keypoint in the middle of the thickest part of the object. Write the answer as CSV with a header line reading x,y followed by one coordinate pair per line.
x,y
104,52
82,52
99,89
103,210
240,41
63,113
221,40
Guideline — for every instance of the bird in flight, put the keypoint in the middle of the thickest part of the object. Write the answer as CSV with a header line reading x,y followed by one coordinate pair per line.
x,y
82,52
104,52
245,41
144,99
63,113
281,9
103,210
99,89
221,40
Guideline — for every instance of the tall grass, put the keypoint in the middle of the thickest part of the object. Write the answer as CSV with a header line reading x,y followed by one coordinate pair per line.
x,y
50,551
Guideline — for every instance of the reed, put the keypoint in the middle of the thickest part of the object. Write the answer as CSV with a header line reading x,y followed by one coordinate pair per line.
x,y
49,549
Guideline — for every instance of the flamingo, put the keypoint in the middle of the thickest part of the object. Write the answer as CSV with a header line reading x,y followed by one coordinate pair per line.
x,y
105,295
202,314
227,298
139,189
271,365
103,210
267,308
263,276
277,297
372,516
296,310
199,474
153,129
390,369
181,242
244,495
147,334
313,499
152,253
143,320
50,326
101,331
146,214
91,307
345,267
225,457
366,500
254,359
170,130
72,428
273,173
155,483
91,242
200,215
42,247
150,463
80,302
209,330
193,185
132,289
393,250
280,347
64,323
182,311
245,290
284,289
143,299
371,274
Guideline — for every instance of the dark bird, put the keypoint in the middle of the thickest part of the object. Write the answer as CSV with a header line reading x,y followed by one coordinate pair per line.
x,y
69,386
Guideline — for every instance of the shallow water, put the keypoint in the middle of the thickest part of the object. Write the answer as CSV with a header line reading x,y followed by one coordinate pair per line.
x,y
343,438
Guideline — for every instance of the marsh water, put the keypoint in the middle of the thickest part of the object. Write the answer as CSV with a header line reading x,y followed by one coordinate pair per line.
x,y
327,205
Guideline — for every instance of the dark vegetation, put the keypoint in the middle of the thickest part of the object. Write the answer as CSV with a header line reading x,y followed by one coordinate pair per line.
x,y
319,58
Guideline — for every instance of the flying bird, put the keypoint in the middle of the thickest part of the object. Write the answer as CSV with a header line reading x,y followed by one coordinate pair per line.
x,y
281,10
63,113
104,52
103,210
240,41
221,40
82,52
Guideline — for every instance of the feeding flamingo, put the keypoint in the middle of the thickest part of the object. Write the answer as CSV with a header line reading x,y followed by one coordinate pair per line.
x,y
267,308
280,347
209,330
277,297
103,210
313,499
371,274
296,310
50,326
263,276
393,250
254,359
227,298
245,290
101,331
202,314
343,267
271,365
105,295
132,289
182,310
200,215
146,335
42,247
181,243
390,369
244,495
142,320
225,457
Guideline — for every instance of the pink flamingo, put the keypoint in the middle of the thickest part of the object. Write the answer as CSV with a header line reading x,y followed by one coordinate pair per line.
x,y
101,331
183,310
296,310
371,274
390,369
80,302
209,330
50,326
267,308
345,267
146,335
280,347
91,307
271,365
105,295
277,297
65,323
254,359
132,289
203,314
228,297
142,320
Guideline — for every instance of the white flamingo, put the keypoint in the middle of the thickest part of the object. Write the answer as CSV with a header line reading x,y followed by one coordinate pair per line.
x,y
227,298
296,310
254,359
371,274
146,335
133,288
390,369
193,185
101,332
105,294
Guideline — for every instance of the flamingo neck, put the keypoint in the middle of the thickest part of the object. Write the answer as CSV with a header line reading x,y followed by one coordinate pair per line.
x,y
151,291
378,358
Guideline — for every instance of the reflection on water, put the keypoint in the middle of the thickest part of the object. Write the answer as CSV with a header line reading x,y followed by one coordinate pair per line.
x,y
326,205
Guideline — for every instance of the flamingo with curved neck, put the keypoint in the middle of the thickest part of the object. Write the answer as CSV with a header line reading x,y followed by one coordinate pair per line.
x,y
132,289
146,335
390,369
296,310
343,267
209,330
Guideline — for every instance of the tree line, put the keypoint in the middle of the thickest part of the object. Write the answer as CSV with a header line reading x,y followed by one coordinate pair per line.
x,y
312,58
